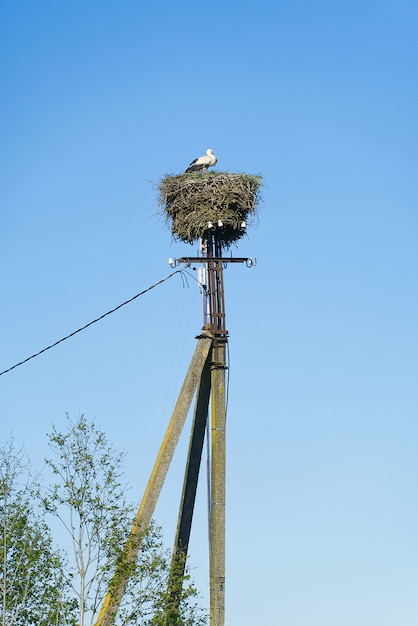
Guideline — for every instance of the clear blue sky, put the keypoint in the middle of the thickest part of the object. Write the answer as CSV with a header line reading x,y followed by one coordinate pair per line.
x,y
101,99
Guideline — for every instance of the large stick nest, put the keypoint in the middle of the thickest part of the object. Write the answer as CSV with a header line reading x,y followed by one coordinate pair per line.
x,y
197,203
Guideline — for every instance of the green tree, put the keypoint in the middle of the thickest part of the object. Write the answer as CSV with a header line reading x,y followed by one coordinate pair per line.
x,y
33,589
89,499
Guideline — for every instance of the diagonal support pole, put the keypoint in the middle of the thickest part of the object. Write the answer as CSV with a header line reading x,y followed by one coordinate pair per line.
x,y
188,496
146,509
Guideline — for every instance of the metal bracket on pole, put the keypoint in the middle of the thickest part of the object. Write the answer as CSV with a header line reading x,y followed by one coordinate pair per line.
x,y
188,260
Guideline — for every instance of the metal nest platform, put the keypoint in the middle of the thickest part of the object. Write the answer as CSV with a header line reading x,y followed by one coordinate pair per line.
x,y
195,204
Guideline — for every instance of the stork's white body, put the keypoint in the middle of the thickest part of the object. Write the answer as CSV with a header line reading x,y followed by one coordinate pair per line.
x,y
202,163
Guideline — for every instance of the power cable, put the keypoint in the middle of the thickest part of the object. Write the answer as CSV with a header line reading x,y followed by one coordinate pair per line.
x,y
29,358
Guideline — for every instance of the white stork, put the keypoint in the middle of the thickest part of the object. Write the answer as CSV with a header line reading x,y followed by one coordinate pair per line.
x,y
202,163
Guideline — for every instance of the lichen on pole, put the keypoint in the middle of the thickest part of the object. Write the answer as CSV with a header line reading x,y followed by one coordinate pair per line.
x,y
190,203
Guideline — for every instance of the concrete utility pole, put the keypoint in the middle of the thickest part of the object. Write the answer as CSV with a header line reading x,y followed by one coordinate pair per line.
x,y
205,378
214,321
218,435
